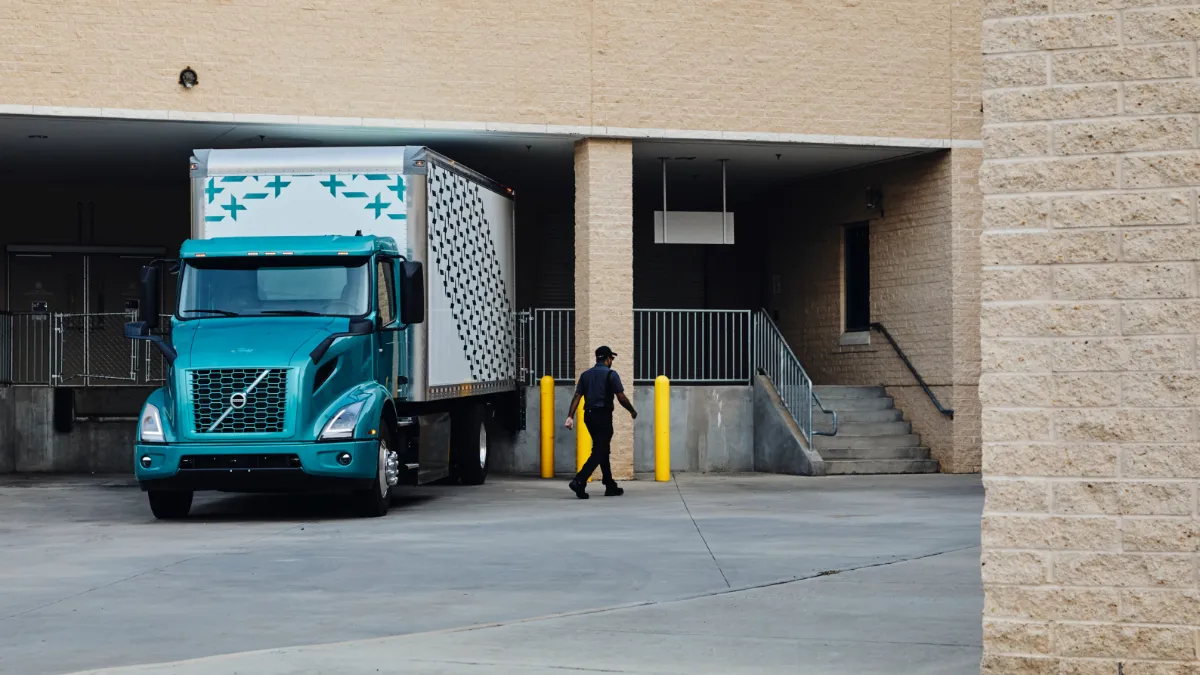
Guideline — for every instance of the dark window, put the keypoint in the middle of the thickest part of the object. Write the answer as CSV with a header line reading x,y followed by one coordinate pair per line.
x,y
857,269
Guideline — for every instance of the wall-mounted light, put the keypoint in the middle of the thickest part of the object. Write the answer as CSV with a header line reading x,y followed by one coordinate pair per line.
x,y
38,136
188,78
874,199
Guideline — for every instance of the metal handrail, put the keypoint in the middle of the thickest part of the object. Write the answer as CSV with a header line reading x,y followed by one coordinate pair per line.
x,y
832,413
800,410
948,412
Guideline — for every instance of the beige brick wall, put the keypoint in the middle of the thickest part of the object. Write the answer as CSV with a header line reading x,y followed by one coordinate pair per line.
x,y
1089,382
965,281
921,290
604,269
854,68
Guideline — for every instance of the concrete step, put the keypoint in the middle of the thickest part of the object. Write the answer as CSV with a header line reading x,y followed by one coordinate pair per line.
x,y
845,416
838,391
874,428
877,453
840,404
820,443
846,467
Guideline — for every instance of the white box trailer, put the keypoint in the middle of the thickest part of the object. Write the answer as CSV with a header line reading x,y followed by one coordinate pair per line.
x,y
455,221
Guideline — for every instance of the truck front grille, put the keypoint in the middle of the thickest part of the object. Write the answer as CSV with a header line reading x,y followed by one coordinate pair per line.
x,y
239,400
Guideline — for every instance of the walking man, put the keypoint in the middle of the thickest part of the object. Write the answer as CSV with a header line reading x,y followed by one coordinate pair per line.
x,y
597,387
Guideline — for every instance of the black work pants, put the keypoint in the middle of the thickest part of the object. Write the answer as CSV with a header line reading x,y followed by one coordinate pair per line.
x,y
600,426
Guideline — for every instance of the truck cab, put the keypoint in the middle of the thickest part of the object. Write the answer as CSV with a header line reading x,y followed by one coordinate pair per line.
x,y
284,355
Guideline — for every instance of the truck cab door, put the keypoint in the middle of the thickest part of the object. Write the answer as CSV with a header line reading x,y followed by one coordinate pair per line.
x,y
387,335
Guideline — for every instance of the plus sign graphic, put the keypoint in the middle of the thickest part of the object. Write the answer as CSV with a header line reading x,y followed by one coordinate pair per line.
x,y
212,190
278,184
233,207
379,205
333,184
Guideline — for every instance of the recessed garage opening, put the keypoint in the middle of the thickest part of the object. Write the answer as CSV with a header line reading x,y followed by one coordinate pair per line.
x,y
92,200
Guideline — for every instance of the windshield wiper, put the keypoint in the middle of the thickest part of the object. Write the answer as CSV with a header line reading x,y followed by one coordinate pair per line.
x,y
291,312
221,312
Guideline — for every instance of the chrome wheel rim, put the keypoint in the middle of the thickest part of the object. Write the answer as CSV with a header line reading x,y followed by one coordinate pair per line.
x,y
388,468
483,446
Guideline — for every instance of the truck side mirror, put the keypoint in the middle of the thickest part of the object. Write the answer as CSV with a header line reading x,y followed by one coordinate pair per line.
x,y
412,292
149,304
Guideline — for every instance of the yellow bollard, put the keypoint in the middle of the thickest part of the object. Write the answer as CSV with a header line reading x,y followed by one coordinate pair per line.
x,y
547,427
583,440
662,428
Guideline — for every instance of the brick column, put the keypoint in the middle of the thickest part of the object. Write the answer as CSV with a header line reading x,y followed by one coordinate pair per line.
x,y
604,270
1090,388
966,207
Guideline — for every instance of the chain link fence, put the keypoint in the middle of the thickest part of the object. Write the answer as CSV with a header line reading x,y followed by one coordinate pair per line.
x,y
93,350
75,350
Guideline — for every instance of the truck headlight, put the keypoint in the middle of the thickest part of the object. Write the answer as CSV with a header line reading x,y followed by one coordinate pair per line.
x,y
150,427
342,424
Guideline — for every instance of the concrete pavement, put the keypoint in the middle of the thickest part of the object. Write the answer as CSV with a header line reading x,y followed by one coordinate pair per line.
x,y
645,583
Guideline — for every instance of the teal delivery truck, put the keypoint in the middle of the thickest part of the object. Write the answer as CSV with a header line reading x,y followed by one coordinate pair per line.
x,y
343,321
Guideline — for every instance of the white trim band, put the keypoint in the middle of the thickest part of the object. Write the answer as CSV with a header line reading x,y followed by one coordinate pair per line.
x,y
561,130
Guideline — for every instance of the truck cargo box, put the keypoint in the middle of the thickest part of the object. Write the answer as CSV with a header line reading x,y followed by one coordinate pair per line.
x,y
456,222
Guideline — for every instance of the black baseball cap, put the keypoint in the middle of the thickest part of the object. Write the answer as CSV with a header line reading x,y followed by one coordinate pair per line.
x,y
605,353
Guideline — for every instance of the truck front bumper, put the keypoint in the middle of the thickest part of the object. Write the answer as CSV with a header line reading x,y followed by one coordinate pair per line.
x,y
257,467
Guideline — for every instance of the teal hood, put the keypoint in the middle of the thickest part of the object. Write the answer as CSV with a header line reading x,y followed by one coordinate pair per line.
x,y
271,343
263,342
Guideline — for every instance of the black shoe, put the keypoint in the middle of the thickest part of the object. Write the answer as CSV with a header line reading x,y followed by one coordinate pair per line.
x,y
613,491
579,490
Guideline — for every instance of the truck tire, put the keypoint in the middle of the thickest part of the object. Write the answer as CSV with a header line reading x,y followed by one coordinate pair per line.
x,y
375,501
171,505
469,440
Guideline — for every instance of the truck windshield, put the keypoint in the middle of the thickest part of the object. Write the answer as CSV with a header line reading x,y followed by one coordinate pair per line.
x,y
224,287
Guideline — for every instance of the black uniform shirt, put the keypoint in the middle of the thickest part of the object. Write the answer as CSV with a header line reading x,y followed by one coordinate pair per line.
x,y
598,385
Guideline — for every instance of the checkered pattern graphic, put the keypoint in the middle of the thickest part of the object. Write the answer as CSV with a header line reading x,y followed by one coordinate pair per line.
x,y
461,246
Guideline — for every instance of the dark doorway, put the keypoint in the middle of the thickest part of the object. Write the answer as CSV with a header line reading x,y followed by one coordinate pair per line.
x,y
857,271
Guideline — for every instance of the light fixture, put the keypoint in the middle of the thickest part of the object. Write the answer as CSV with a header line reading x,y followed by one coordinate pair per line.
x,y
38,136
188,77
874,199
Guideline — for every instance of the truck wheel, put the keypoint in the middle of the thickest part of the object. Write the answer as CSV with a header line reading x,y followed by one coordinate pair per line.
x,y
469,439
375,501
170,505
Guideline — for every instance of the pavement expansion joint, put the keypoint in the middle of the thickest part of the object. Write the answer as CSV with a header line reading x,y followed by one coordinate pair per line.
x,y
548,617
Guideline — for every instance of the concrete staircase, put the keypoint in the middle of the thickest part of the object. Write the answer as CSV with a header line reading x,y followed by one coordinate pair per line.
x,y
872,435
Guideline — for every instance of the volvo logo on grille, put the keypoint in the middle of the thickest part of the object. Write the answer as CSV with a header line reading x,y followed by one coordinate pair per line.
x,y
238,400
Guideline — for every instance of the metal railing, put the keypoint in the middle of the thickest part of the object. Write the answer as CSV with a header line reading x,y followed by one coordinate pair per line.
x,y
6,347
948,412
31,348
692,346
689,346
775,360
547,337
